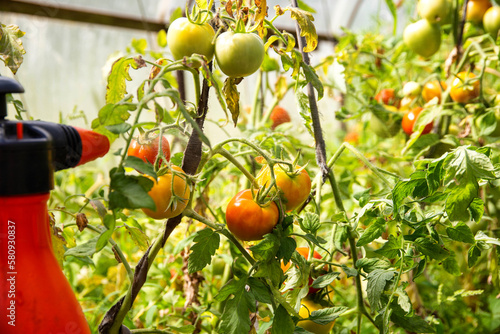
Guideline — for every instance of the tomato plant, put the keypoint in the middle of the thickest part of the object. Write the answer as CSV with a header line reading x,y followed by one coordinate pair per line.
x,y
433,89
278,116
170,194
423,37
464,88
294,186
185,38
409,120
249,220
408,223
239,54
147,149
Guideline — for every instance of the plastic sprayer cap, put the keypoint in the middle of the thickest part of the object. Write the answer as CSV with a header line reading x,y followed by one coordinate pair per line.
x,y
94,145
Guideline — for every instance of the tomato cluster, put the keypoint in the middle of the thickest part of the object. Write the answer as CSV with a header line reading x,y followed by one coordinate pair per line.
x,y
249,219
238,54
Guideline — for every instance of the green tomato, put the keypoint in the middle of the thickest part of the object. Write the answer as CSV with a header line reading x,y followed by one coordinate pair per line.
x,y
491,20
185,39
423,37
435,11
239,54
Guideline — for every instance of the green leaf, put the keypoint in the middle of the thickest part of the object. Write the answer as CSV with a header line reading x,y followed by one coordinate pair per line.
x,y
312,77
236,315
374,231
326,315
232,97
161,38
451,266
138,237
468,165
139,165
271,270
266,249
392,8
420,268
310,223
128,191
476,209
282,322
287,247
304,6
459,200
391,248
307,28
350,272
117,86
377,281
325,280
140,45
231,288
109,222
431,248
83,250
206,244
370,264
11,46
473,255
403,300
461,232
259,290
411,323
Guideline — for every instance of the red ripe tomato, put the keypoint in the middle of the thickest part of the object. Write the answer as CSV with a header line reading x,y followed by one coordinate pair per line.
x,y
433,89
248,220
409,121
388,97
304,251
279,116
476,10
463,92
294,187
148,151
168,206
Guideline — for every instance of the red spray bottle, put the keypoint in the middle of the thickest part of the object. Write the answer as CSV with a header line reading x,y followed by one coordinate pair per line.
x,y
35,296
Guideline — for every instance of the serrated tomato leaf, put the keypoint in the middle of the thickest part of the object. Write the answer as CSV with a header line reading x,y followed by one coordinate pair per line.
x,y
206,243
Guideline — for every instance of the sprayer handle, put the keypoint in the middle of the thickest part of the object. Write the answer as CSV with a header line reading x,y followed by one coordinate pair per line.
x,y
7,86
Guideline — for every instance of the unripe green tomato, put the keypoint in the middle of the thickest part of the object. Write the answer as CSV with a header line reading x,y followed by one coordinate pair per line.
x,y
412,89
491,21
239,54
435,11
423,37
185,39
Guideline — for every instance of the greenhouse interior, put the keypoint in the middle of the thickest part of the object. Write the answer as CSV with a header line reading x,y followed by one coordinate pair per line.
x,y
358,143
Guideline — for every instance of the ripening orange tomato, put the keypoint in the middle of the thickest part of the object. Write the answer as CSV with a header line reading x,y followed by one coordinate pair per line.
x,y
476,10
464,88
433,89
